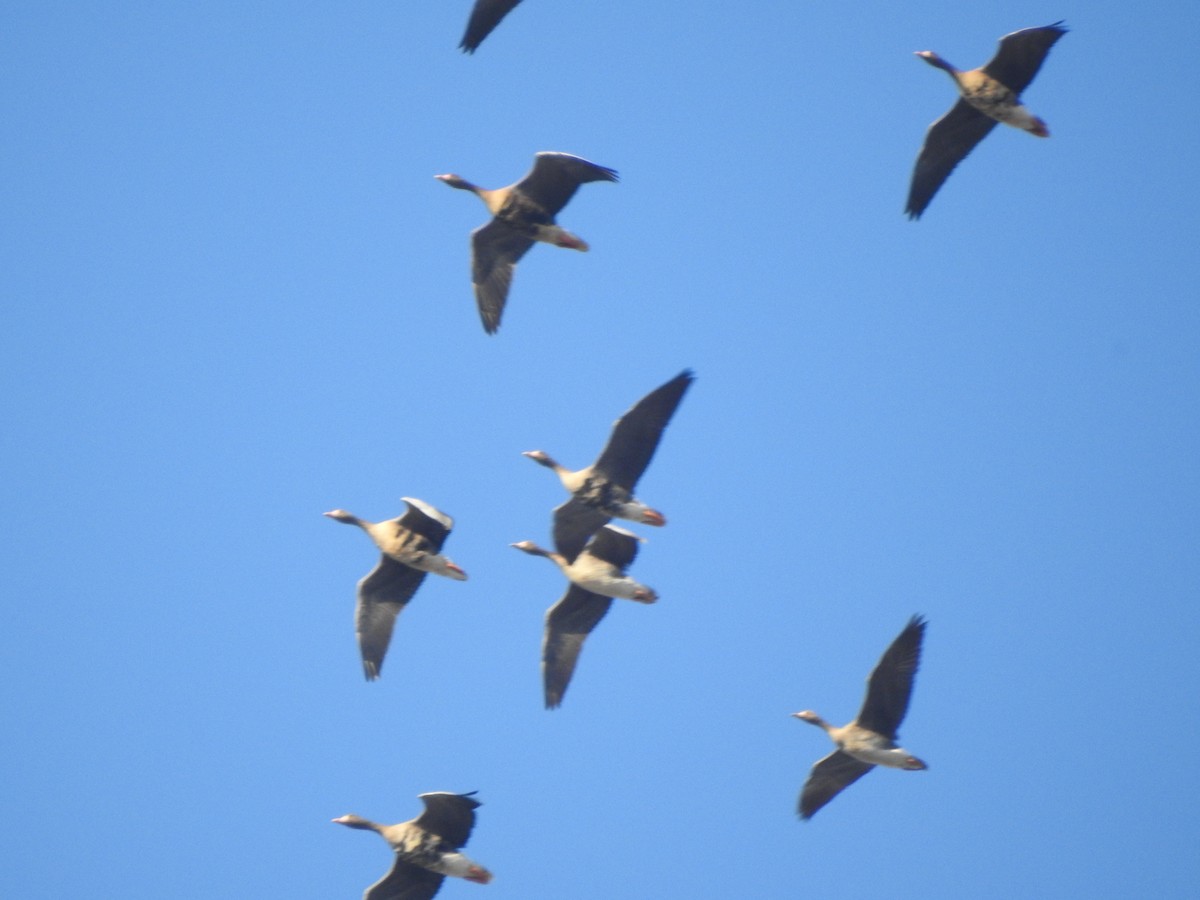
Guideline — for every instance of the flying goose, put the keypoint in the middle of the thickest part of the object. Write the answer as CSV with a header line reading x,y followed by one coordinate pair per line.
x,y
485,16
870,740
596,575
523,213
411,546
604,490
427,848
988,95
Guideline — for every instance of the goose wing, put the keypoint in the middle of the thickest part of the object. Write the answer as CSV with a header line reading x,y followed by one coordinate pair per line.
x,y
1021,54
614,545
574,524
636,434
381,595
568,623
947,143
890,685
495,250
555,177
828,778
405,881
426,521
450,816
485,15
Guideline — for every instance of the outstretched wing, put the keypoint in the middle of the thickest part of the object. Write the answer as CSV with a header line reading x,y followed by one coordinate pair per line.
x,y
405,881
1021,55
425,520
555,177
890,685
828,778
485,16
568,623
381,595
574,524
450,816
614,545
495,249
947,143
636,434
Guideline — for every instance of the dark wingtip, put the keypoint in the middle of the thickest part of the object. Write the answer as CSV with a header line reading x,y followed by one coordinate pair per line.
x,y
607,173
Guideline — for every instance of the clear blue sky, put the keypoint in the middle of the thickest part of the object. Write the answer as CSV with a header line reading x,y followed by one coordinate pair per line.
x,y
235,297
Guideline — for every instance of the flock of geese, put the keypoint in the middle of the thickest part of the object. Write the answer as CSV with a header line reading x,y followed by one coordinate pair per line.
x,y
593,554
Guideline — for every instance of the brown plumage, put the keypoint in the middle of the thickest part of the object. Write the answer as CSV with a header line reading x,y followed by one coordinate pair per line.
x,y
987,95
596,575
522,214
410,546
604,490
426,848
869,740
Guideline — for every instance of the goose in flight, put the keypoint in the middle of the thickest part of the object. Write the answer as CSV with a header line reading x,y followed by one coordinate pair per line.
x,y
522,214
410,546
870,740
604,490
987,95
596,575
427,848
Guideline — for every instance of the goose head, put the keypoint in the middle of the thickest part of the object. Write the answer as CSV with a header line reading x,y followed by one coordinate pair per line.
x,y
810,717
934,60
457,181
352,821
531,548
541,457
340,515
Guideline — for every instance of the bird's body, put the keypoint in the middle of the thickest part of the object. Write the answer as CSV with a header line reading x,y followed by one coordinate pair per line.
x,y
604,490
596,576
411,547
522,214
427,848
597,491
996,101
865,745
602,577
595,571
871,739
987,95
485,16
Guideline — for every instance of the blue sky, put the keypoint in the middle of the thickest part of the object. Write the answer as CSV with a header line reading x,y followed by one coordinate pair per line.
x,y
236,298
